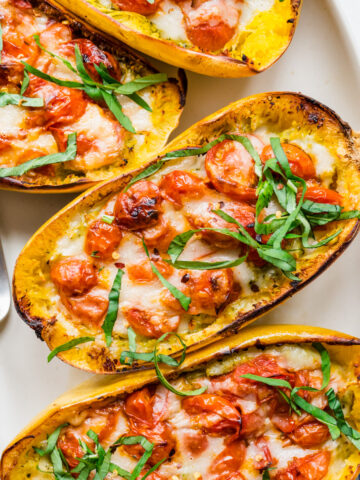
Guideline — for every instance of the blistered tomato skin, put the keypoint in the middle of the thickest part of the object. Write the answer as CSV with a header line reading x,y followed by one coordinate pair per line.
x,y
102,239
318,194
63,106
310,467
178,185
70,447
213,414
143,7
143,420
300,162
209,291
92,55
229,461
139,207
160,235
231,169
151,324
142,272
242,212
209,25
90,309
74,276
310,435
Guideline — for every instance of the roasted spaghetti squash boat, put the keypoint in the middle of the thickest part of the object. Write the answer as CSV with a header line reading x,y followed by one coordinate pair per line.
x,y
275,402
240,212
75,107
225,38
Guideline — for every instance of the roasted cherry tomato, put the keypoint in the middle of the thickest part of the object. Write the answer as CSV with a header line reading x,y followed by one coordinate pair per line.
x,y
300,162
209,291
143,7
142,272
311,467
231,169
102,421
196,443
62,105
213,414
93,55
210,25
89,308
242,212
318,194
309,435
69,445
177,186
160,235
17,48
139,207
262,365
151,324
139,408
74,276
229,460
102,239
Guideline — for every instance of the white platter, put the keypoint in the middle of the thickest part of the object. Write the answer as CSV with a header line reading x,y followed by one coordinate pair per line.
x,y
321,62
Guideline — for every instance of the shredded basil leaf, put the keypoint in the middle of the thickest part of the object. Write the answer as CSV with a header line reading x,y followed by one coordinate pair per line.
x,y
345,428
25,83
186,393
325,363
69,154
183,299
108,219
113,307
14,99
128,357
190,265
100,91
68,346
51,441
145,173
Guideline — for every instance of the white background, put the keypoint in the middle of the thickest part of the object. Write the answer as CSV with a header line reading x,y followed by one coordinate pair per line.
x,y
320,63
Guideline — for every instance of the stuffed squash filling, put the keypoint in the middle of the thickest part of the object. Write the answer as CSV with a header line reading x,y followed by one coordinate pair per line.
x,y
70,110
187,238
274,414
234,28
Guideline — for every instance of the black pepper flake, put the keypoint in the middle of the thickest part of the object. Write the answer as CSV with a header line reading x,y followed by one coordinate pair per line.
x,y
291,20
185,278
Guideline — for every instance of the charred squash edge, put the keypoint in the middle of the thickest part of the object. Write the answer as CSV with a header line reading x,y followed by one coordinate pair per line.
x,y
91,197
115,47
99,390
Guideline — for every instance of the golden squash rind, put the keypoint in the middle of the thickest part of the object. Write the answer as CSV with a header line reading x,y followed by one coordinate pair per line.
x,y
230,321
209,64
100,390
176,90
204,63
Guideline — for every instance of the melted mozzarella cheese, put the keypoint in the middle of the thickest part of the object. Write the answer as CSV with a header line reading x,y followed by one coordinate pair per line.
x,y
250,8
104,135
12,120
169,21
140,118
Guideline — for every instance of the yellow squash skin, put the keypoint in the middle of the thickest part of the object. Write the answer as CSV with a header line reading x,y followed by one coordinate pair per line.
x,y
168,103
247,54
19,459
287,114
